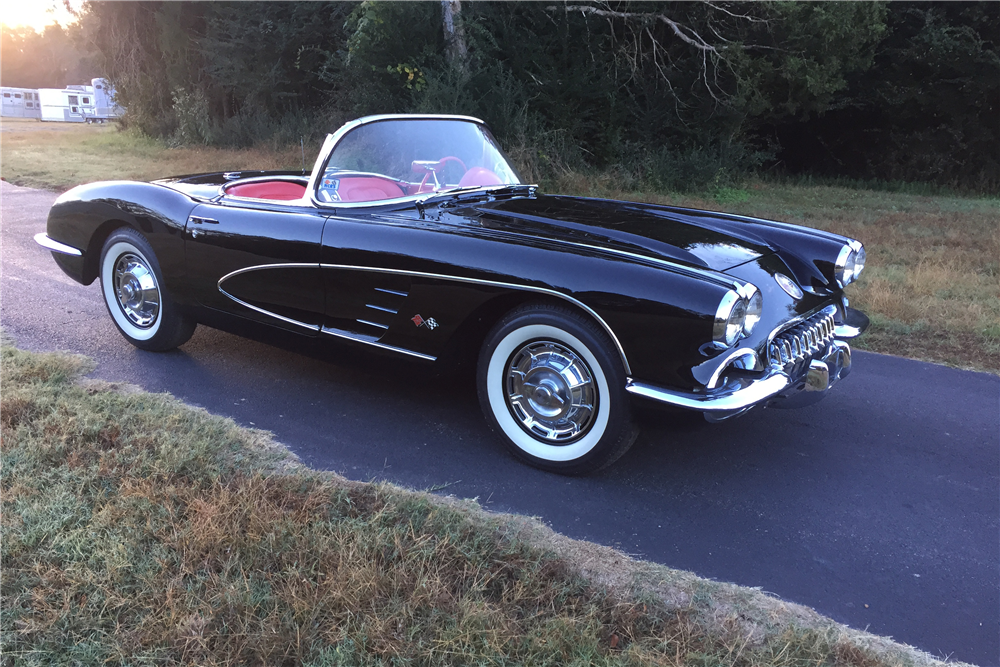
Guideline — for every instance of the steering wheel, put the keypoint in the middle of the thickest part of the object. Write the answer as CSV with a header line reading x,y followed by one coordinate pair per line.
x,y
440,164
452,158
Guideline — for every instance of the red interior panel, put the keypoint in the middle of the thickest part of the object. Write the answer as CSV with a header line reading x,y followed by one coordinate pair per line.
x,y
367,188
281,190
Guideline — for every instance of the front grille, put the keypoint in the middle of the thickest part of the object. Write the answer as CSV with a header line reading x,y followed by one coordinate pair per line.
x,y
804,340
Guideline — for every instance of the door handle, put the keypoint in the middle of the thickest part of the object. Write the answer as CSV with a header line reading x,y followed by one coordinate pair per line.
x,y
203,221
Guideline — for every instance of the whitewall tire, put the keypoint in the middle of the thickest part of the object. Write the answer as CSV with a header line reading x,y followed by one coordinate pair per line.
x,y
132,286
553,388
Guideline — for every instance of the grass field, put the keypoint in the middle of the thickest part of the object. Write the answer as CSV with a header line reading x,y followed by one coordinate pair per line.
x,y
932,286
139,531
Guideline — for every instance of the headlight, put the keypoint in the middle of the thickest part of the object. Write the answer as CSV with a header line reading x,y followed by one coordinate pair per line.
x,y
755,304
730,319
850,261
859,259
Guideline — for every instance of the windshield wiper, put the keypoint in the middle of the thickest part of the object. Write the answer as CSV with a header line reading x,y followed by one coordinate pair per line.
x,y
472,193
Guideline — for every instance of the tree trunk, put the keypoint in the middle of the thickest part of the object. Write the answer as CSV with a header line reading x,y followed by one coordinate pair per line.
x,y
454,33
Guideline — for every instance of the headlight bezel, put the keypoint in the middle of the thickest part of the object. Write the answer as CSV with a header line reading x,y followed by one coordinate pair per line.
x,y
846,268
737,306
723,315
754,309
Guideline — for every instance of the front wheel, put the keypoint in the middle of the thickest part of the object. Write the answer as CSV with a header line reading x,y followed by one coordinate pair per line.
x,y
552,386
132,286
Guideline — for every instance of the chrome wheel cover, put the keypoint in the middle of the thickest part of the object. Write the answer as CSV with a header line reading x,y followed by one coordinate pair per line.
x,y
550,391
136,289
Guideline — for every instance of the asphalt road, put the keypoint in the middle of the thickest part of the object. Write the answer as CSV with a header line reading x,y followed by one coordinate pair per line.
x,y
879,506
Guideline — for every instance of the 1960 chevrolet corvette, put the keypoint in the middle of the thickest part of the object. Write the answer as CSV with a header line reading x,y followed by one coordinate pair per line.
x,y
413,234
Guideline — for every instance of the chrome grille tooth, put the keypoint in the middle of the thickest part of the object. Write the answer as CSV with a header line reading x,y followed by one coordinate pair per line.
x,y
803,340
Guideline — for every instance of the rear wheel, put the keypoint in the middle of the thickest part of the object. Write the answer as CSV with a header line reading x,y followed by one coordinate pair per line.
x,y
131,283
552,386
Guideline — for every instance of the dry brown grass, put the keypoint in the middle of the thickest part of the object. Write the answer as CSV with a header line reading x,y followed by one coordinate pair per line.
x,y
58,156
140,531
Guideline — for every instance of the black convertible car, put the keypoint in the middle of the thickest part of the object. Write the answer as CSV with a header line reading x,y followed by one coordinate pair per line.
x,y
415,235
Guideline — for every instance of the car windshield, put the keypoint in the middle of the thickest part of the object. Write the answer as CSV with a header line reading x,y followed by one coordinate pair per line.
x,y
393,158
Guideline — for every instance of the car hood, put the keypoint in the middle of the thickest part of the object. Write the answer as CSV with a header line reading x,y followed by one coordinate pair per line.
x,y
697,238
700,239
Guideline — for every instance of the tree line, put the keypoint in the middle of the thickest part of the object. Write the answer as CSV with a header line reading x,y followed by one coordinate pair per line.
x,y
671,95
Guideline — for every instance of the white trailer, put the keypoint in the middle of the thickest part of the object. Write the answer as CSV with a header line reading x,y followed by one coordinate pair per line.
x,y
72,104
104,99
20,103
80,104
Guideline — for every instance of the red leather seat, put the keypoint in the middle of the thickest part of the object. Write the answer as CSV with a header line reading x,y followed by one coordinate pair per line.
x,y
367,188
280,190
479,176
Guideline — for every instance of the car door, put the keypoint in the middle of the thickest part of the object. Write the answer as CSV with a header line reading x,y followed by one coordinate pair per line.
x,y
390,283
258,260
361,303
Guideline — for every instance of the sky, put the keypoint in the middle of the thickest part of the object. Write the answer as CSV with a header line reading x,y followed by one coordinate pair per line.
x,y
35,13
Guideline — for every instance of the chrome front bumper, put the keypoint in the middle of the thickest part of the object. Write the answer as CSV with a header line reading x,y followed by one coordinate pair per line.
x,y
769,387
43,240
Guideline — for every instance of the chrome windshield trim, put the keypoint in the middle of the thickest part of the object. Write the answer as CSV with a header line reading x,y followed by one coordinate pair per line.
x,y
375,343
479,281
43,240
416,199
333,139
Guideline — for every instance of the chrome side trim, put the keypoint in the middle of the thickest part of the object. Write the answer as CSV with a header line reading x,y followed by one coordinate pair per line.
x,y
738,398
43,240
261,267
373,324
359,339
391,291
478,281
311,327
382,308
438,276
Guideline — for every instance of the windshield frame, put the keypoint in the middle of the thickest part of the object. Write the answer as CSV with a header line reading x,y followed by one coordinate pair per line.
x,y
330,144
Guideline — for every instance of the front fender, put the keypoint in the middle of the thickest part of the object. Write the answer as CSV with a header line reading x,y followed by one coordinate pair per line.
x,y
84,217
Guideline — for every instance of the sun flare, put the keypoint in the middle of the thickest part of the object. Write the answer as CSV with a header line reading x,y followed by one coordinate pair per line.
x,y
36,14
